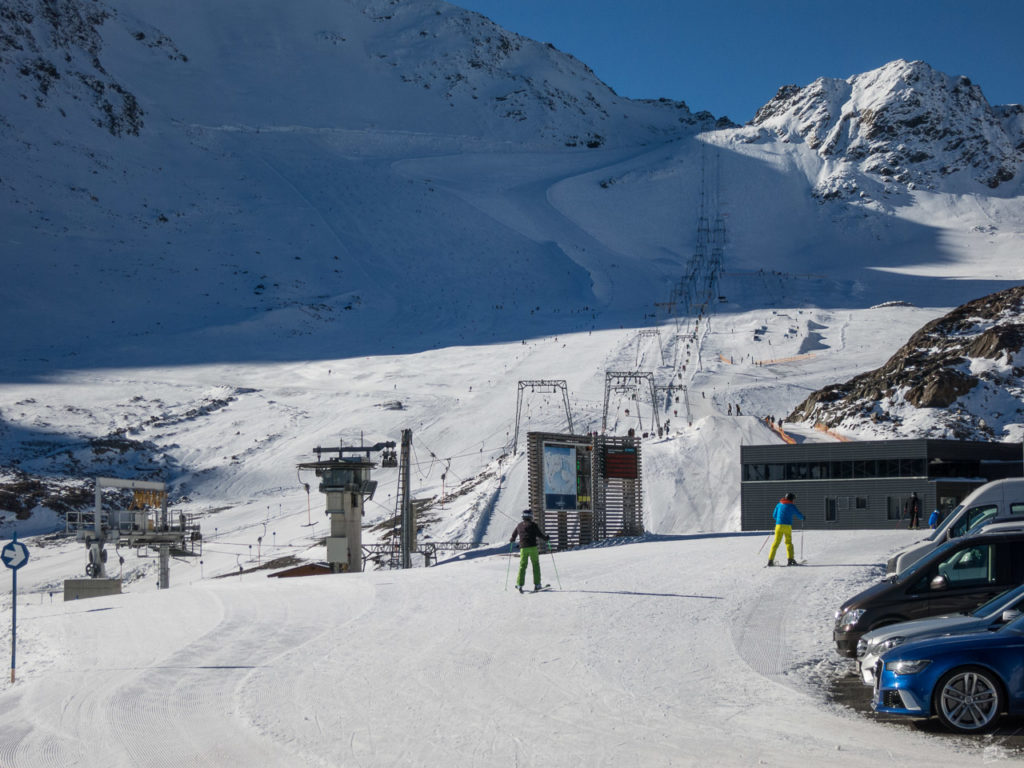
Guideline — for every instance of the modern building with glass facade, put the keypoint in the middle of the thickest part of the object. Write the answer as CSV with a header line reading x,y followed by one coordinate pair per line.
x,y
867,484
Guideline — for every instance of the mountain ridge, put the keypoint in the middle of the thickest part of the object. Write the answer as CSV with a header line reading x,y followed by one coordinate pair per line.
x,y
336,168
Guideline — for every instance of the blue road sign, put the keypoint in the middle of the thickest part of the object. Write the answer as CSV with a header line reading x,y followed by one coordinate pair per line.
x,y
14,555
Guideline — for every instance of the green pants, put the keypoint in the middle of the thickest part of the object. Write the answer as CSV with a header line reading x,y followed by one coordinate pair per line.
x,y
529,554
782,531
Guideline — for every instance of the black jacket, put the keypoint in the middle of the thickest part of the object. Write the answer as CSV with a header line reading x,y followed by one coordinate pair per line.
x,y
528,533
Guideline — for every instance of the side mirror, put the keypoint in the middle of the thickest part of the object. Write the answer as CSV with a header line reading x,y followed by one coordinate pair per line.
x,y
939,583
1009,615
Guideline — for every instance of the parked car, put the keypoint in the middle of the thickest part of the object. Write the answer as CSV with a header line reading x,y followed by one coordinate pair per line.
x,y
958,576
967,681
1000,610
999,500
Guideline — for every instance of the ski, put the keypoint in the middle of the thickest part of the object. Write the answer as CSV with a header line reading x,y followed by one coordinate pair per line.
x,y
523,591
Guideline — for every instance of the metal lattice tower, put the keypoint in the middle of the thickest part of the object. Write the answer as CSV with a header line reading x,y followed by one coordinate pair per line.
x,y
544,385
405,509
670,391
629,381
648,333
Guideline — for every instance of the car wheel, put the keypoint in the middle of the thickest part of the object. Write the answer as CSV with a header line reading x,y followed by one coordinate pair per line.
x,y
968,699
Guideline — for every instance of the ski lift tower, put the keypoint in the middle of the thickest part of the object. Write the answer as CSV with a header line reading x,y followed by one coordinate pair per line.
x,y
346,483
154,529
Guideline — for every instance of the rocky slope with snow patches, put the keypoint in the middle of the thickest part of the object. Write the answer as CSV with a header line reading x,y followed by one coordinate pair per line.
x,y
959,377
904,125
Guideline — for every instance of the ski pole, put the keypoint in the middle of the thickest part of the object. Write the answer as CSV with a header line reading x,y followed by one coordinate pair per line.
x,y
509,569
764,542
801,540
554,566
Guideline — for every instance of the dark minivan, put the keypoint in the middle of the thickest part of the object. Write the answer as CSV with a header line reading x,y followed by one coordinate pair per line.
x,y
958,576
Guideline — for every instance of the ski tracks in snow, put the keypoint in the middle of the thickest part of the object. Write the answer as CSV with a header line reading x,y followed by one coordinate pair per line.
x,y
765,629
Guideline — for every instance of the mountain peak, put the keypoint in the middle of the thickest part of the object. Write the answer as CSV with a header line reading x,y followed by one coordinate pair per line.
x,y
904,124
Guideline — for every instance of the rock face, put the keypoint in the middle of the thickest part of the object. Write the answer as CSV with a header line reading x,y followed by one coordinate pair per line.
x,y
57,46
904,124
966,367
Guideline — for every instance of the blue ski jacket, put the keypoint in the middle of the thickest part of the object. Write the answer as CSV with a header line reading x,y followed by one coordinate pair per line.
x,y
784,512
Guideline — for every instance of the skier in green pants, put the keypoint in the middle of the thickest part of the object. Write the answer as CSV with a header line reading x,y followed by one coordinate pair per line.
x,y
528,532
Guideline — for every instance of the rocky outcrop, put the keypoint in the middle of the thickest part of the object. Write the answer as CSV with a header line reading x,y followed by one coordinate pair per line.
x,y
56,47
959,365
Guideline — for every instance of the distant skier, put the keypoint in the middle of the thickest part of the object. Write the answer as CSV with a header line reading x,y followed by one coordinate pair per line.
x,y
528,532
934,518
783,516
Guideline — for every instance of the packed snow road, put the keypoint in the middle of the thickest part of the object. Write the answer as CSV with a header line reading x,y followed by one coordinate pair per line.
x,y
671,651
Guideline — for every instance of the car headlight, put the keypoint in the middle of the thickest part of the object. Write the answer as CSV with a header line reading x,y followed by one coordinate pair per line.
x,y
892,642
850,618
881,646
907,666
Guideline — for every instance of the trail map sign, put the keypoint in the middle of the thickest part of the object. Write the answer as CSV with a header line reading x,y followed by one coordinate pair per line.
x,y
559,477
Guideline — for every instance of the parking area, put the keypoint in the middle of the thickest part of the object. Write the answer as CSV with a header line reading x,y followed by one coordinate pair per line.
x,y
849,691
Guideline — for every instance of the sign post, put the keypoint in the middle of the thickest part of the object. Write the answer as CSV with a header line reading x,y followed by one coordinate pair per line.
x,y
14,555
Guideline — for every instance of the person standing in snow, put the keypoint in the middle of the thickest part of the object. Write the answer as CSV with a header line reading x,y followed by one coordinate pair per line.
x,y
913,510
934,518
528,532
783,516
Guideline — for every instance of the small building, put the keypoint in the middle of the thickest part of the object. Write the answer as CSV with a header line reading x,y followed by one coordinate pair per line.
x,y
867,484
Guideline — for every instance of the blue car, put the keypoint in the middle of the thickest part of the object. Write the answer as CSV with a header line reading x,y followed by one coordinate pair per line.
x,y
967,681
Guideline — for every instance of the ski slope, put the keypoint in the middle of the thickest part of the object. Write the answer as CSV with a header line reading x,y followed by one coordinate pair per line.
x,y
672,651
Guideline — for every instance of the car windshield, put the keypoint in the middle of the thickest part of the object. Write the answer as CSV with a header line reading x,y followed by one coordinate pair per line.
x,y
939,532
915,567
999,603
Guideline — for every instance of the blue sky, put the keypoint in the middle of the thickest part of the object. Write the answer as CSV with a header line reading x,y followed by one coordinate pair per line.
x,y
731,56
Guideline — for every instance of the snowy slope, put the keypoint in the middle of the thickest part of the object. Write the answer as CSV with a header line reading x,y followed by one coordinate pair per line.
x,y
663,653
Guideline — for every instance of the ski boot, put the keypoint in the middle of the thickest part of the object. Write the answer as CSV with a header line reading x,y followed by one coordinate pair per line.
x,y
771,563
791,561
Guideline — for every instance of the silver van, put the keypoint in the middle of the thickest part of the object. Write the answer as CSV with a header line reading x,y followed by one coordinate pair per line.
x,y
998,501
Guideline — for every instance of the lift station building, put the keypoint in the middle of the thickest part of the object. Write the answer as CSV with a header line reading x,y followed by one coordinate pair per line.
x,y
866,484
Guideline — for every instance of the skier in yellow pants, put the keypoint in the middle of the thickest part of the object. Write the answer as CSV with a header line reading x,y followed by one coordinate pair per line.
x,y
783,516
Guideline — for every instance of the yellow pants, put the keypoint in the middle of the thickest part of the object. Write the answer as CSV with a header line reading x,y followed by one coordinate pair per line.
x,y
780,531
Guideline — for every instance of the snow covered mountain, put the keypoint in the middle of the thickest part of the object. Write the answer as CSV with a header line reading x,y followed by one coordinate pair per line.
x,y
195,184
287,182
231,232
903,126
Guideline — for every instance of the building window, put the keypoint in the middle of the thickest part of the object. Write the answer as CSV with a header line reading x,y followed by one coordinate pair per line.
x,y
842,470
865,468
830,510
912,468
862,502
894,507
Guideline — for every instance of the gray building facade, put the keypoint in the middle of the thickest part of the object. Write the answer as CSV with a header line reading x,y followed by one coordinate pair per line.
x,y
866,484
